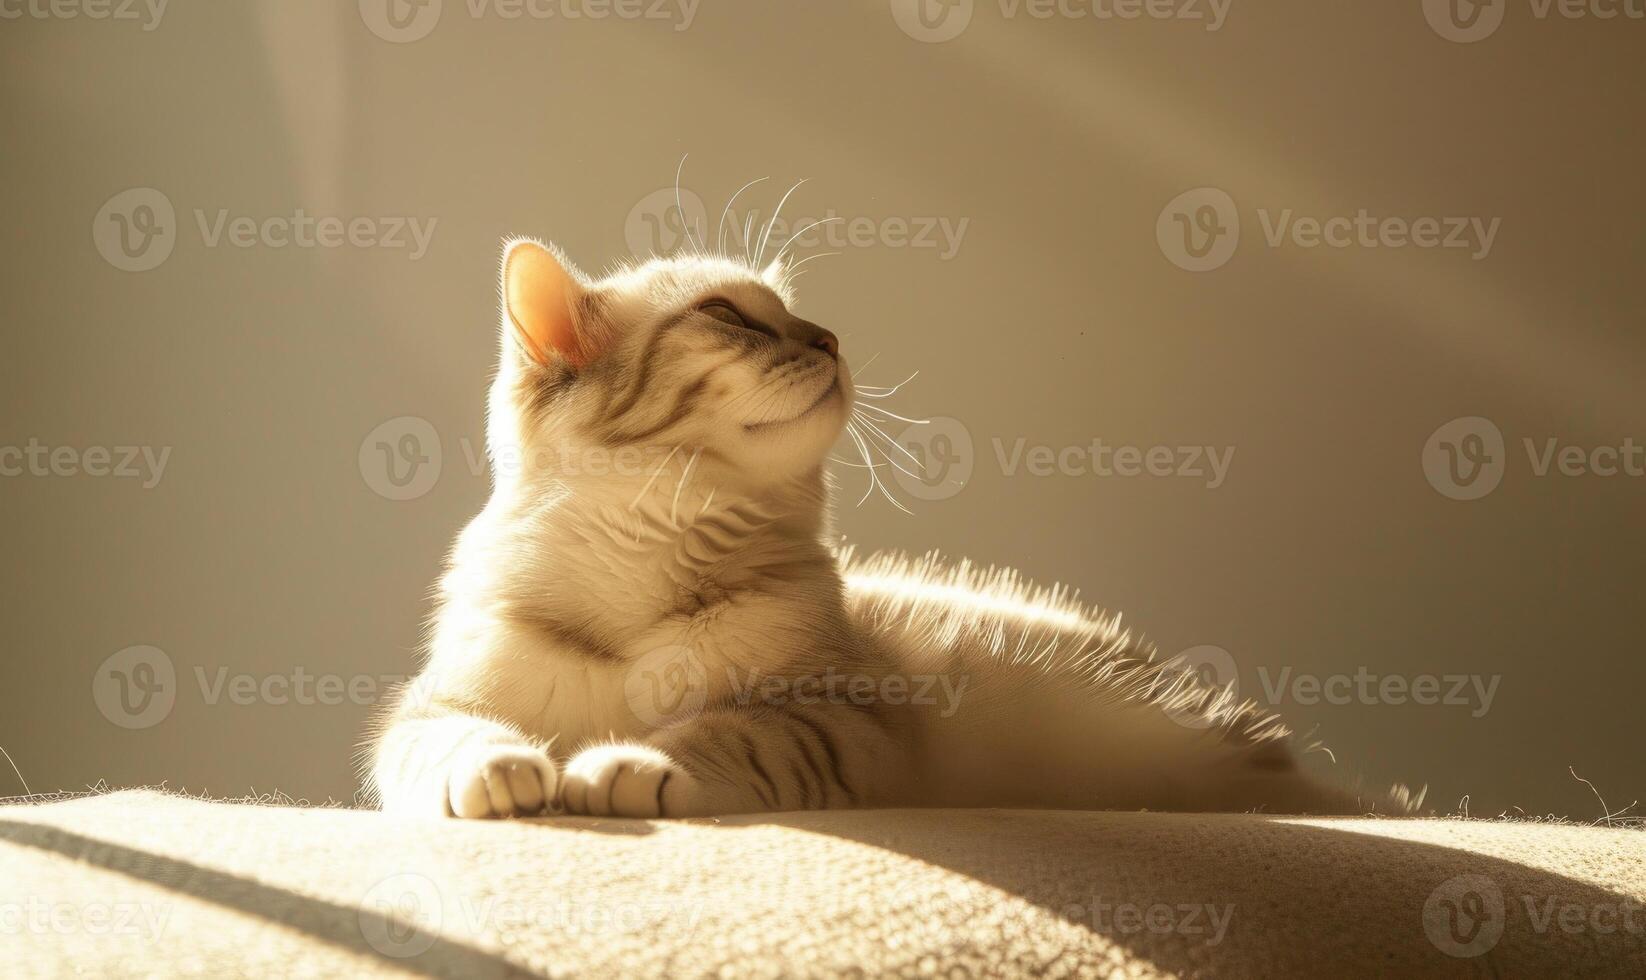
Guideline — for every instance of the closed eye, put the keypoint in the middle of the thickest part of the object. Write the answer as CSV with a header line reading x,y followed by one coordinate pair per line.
x,y
728,314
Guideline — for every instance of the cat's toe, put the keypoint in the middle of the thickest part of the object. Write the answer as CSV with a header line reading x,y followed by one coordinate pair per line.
x,y
502,781
621,781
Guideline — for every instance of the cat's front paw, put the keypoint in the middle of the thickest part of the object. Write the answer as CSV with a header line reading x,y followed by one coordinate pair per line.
x,y
501,781
623,781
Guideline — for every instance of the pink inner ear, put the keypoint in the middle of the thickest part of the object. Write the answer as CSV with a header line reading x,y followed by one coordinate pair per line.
x,y
541,295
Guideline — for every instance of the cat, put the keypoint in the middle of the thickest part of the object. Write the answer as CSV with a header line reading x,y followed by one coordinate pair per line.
x,y
651,616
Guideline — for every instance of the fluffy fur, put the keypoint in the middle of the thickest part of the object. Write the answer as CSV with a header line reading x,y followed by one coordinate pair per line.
x,y
649,618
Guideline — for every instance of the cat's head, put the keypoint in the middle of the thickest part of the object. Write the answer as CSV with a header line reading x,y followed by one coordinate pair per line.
x,y
700,353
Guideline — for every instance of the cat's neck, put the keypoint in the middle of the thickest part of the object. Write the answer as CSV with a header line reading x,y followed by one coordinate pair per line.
x,y
688,521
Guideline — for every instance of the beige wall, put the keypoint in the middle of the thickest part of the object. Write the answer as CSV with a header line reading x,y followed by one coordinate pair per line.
x,y
1059,319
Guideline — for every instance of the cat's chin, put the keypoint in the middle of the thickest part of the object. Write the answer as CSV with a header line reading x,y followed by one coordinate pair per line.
x,y
826,404
784,448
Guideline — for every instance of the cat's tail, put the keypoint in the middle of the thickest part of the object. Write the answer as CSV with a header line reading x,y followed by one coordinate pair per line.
x,y
1049,703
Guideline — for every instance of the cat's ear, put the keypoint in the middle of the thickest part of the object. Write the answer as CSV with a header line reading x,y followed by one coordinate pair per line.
x,y
542,303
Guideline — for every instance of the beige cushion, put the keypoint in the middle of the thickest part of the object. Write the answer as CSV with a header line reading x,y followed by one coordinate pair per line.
x,y
140,883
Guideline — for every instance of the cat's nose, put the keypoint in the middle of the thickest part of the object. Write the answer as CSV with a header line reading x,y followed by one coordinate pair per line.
x,y
827,341
813,335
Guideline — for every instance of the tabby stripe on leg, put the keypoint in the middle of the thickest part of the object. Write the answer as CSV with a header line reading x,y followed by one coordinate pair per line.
x,y
826,743
803,751
775,800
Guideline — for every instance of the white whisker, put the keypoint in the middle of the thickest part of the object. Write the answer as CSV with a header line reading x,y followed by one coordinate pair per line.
x,y
861,466
797,234
685,475
655,474
861,448
720,226
886,392
819,255
874,478
766,237
875,429
685,223
894,464
882,411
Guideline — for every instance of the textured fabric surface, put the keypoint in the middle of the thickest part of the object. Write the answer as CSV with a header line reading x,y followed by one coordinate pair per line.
x,y
140,883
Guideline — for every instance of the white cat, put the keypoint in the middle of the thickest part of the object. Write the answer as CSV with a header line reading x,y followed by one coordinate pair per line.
x,y
649,618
